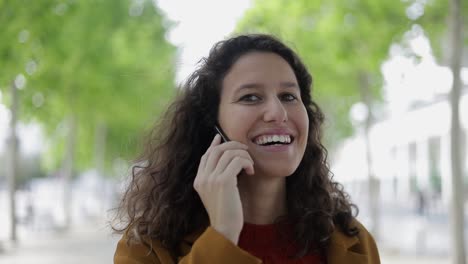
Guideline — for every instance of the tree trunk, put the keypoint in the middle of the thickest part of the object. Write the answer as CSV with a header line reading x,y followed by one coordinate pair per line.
x,y
68,169
457,174
100,147
373,183
12,166
100,157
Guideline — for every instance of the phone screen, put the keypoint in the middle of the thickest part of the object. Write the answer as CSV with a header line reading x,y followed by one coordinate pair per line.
x,y
221,133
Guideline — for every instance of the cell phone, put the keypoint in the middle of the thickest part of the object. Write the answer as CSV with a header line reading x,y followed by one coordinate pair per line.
x,y
223,136
221,133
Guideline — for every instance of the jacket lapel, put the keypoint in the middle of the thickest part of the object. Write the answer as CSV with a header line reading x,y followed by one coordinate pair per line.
x,y
340,250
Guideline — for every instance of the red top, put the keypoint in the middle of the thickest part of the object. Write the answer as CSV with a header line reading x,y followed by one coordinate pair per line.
x,y
266,243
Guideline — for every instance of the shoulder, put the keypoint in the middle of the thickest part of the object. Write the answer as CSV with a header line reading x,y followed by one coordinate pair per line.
x,y
361,247
204,246
131,251
366,240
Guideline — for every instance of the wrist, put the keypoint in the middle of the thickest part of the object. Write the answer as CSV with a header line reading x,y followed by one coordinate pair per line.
x,y
229,233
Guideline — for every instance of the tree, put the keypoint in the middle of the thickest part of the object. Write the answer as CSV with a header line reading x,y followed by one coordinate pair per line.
x,y
343,43
91,66
458,201
11,61
102,60
451,52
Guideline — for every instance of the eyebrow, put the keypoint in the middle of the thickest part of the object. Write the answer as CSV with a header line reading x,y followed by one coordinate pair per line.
x,y
259,85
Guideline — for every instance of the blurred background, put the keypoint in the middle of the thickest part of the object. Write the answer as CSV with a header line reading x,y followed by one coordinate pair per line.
x,y
81,81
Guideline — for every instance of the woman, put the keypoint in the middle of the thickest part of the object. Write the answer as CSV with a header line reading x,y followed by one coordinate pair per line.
x,y
264,194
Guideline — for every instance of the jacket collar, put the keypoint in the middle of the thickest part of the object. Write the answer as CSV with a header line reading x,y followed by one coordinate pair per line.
x,y
190,239
340,249
339,239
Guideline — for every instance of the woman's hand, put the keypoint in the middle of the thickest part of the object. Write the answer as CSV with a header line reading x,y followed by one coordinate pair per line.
x,y
216,184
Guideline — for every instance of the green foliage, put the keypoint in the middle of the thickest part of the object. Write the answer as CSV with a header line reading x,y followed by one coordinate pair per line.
x,y
435,24
341,41
102,61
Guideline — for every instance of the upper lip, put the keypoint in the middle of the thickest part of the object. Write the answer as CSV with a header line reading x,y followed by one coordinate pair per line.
x,y
273,131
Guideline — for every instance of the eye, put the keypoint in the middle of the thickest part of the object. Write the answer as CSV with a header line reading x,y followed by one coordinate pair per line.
x,y
250,98
288,97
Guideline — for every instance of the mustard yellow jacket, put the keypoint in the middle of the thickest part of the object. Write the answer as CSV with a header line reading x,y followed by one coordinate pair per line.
x,y
209,246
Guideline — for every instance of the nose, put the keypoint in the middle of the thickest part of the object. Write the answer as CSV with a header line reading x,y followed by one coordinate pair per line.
x,y
275,111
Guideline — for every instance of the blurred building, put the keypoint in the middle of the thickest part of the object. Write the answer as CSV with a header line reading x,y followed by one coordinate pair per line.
x,y
410,152
411,160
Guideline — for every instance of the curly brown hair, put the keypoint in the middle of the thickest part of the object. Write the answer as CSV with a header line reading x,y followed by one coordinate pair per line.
x,y
160,202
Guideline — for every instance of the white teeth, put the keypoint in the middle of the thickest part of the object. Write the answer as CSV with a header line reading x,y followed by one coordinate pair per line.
x,y
273,138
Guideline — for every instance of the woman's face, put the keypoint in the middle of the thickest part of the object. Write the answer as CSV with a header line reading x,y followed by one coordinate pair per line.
x,y
261,106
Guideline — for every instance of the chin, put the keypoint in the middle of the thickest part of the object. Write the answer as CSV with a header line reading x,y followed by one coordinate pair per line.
x,y
277,171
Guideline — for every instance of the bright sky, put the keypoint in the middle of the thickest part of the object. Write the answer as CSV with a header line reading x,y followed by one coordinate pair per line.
x,y
200,24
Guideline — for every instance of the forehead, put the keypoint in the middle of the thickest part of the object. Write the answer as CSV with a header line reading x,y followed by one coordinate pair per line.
x,y
262,68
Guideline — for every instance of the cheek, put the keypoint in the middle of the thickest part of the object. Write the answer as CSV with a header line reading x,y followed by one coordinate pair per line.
x,y
306,124
303,124
236,122
302,121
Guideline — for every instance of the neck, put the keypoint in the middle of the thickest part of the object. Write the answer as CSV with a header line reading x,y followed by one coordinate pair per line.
x,y
263,199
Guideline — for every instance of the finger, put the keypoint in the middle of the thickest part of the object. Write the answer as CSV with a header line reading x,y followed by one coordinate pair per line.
x,y
204,158
216,141
216,151
250,170
201,167
237,165
233,145
228,156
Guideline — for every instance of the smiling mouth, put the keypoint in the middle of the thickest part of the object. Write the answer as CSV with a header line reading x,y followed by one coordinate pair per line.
x,y
273,140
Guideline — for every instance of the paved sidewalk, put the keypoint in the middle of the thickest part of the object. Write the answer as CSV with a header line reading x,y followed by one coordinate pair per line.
x,y
390,258
96,245
84,245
